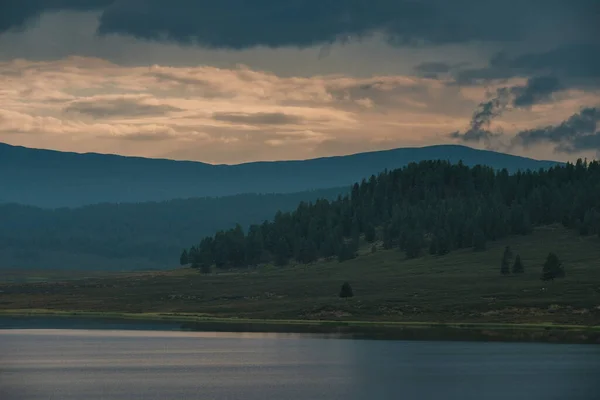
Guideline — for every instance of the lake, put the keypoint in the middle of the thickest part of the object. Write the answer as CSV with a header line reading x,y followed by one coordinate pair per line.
x,y
135,364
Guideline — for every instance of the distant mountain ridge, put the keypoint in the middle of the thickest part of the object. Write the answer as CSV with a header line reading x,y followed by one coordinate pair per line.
x,y
48,178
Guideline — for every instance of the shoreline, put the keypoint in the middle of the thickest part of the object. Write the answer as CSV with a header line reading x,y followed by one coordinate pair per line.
x,y
391,330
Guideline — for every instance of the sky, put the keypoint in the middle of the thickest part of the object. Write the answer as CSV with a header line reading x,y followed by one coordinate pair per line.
x,y
233,81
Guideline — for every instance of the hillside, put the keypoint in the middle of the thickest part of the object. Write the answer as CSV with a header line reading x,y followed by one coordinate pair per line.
x,y
462,286
58,179
427,207
129,236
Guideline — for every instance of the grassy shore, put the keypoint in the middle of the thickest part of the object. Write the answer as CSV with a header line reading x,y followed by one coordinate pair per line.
x,y
361,329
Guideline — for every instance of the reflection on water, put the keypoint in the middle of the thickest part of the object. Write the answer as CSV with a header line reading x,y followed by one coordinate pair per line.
x,y
324,330
120,364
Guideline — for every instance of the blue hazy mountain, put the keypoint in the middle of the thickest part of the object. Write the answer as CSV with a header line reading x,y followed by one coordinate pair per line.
x,y
47,178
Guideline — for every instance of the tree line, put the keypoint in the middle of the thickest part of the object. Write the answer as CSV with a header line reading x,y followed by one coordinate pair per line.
x,y
430,206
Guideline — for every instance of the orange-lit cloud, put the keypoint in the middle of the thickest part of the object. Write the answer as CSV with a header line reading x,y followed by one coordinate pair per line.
x,y
230,115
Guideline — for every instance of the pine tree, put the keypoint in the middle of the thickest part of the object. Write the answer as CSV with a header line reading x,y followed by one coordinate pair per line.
x,y
308,252
370,233
552,268
346,252
346,290
443,244
183,259
282,252
433,246
505,263
205,269
414,244
518,267
478,240
388,240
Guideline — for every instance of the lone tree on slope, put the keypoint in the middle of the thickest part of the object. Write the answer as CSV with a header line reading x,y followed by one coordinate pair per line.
x,y
518,267
184,259
505,264
346,290
552,268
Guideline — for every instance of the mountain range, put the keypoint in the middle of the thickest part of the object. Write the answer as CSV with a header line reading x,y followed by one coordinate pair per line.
x,y
53,179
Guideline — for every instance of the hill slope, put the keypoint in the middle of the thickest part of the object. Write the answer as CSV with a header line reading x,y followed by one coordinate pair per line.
x,y
129,236
431,206
55,179
463,286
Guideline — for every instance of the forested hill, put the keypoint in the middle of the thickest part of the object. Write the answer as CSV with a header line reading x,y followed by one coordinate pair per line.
x,y
47,178
431,206
129,236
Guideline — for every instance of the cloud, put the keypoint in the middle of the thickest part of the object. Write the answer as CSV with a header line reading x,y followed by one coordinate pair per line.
x,y
212,114
153,136
477,135
578,60
481,119
433,67
262,118
242,114
119,107
537,90
238,24
576,64
581,131
437,69
19,13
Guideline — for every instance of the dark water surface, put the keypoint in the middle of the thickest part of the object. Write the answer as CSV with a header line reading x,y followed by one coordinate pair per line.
x,y
129,364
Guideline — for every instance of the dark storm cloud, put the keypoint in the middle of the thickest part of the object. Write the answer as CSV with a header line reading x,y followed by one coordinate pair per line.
x,y
119,108
482,117
537,90
432,69
480,135
258,118
575,63
240,24
579,132
274,23
15,14
435,67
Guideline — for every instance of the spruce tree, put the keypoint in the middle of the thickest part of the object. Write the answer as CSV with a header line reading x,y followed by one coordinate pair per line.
x,y
346,290
433,246
414,244
478,240
370,233
205,269
346,252
308,252
518,267
183,259
443,244
552,268
505,263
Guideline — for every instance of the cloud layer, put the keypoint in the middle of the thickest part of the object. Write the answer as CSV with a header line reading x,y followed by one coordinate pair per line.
x,y
581,131
319,77
233,115
240,24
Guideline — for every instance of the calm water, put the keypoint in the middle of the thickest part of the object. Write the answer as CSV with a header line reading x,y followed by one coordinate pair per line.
x,y
92,364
